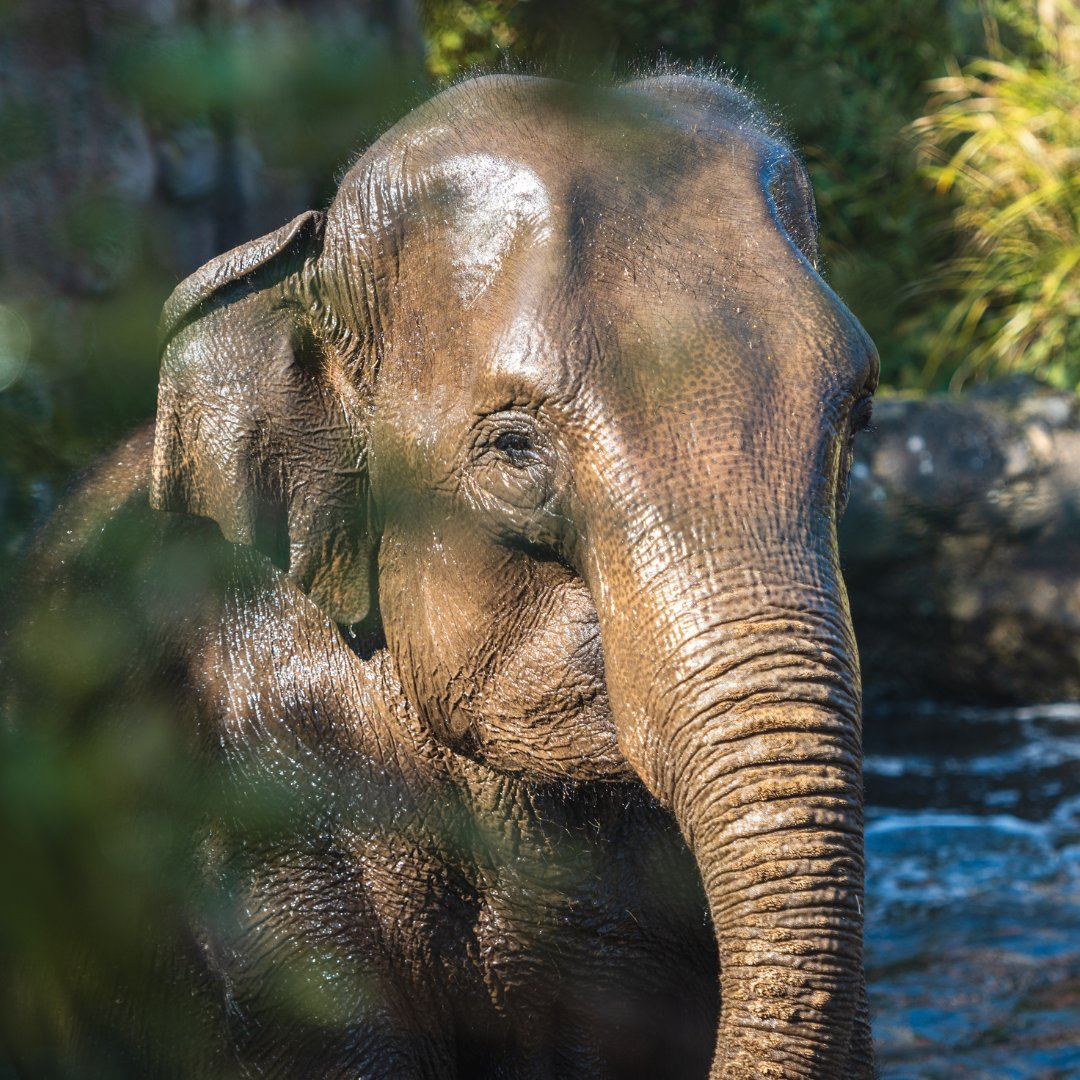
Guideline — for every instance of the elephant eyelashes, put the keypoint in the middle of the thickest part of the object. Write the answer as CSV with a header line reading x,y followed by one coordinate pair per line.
x,y
518,449
862,414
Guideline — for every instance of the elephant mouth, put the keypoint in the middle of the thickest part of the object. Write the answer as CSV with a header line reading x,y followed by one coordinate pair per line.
x,y
541,707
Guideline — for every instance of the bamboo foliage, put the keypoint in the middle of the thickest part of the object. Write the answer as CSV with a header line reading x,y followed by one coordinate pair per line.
x,y
1002,136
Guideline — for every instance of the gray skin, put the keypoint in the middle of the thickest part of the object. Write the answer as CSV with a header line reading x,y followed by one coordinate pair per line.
x,y
533,447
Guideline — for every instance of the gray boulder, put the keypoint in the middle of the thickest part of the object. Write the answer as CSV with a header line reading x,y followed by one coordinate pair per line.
x,y
961,546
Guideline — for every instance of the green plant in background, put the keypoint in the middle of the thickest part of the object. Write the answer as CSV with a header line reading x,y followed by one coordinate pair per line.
x,y
1002,135
574,37
460,35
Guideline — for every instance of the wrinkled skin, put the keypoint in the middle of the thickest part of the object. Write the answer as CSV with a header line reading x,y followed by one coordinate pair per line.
x,y
534,447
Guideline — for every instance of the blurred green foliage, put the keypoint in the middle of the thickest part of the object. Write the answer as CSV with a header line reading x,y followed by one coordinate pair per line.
x,y
1003,135
101,799
136,141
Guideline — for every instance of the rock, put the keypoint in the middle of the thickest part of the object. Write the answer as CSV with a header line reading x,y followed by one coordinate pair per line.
x,y
961,546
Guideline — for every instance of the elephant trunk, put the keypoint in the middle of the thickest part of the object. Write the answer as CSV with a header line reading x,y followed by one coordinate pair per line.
x,y
743,718
770,809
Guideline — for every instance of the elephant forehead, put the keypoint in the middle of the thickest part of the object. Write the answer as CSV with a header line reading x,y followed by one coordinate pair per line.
x,y
492,200
658,226
664,220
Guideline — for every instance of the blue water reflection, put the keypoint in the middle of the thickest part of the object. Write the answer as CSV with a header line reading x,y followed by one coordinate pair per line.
x,y
973,892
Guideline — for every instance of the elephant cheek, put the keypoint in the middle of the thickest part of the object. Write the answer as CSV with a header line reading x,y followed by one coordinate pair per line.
x,y
499,654
546,708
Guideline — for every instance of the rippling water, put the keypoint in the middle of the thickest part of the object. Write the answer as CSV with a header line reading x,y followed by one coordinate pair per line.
x,y
973,892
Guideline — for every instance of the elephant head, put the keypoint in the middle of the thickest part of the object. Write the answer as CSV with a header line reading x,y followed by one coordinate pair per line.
x,y
552,404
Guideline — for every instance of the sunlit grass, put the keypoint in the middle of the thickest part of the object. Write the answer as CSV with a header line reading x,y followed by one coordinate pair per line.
x,y
1002,135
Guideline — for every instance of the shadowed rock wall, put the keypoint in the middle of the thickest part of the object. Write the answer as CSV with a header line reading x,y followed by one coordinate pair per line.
x,y
961,546
111,107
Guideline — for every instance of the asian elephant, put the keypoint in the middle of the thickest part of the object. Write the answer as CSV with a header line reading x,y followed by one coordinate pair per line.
x,y
530,451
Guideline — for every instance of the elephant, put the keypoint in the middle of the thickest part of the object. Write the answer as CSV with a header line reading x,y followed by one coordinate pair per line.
x,y
524,461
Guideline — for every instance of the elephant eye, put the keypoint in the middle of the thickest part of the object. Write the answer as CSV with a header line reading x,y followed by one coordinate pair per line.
x,y
517,448
862,414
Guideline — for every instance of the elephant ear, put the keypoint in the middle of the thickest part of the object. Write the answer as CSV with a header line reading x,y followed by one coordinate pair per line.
x,y
258,427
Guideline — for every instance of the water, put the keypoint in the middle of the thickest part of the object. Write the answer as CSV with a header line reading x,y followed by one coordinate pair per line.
x,y
973,892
